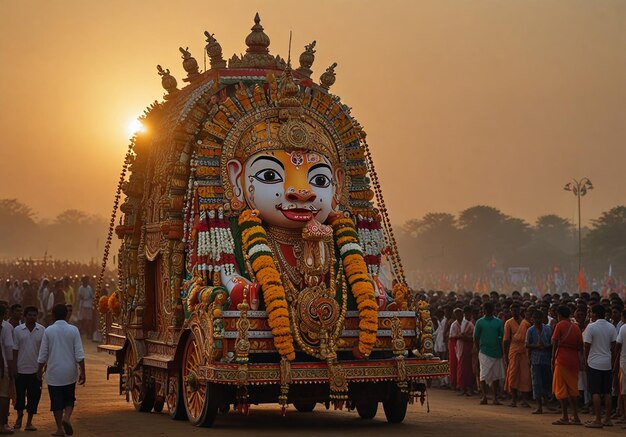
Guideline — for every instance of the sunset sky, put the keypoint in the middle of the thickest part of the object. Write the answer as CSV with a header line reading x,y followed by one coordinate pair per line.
x,y
465,102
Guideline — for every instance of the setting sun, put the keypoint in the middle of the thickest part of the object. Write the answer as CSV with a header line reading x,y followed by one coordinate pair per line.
x,y
134,127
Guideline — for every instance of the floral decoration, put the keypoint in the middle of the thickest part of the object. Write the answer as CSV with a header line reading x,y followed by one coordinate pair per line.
x,y
359,279
259,254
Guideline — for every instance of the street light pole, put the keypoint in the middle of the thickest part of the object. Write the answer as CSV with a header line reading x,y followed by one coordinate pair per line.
x,y
579,188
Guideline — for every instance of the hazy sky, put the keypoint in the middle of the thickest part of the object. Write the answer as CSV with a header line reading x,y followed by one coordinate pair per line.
x,y
465,102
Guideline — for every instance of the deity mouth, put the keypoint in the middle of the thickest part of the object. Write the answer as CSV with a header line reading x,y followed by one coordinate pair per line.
x,y
298,214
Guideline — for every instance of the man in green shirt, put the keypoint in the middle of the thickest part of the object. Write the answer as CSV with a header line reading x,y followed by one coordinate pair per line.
x,y
488,334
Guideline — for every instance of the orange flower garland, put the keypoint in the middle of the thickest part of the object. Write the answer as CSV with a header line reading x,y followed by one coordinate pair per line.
x,y
103,304
255,246
360,283
114,304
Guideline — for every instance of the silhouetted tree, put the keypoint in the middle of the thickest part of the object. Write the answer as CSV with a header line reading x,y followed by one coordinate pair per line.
x,y
18,230
486,233
606,242
432,242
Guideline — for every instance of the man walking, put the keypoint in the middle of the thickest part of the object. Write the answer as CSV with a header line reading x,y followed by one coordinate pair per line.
x,y
599,338
61,349
488,335
27,342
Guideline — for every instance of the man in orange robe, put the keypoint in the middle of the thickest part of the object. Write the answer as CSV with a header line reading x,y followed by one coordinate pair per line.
x,y
567,341
518,379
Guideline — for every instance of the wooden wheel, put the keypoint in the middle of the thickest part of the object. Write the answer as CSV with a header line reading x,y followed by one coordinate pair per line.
x,y
395,406
367,409
305,406
201,399
174,398
141,395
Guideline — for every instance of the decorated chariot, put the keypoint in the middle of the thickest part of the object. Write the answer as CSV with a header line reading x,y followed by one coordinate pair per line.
x,y
257,262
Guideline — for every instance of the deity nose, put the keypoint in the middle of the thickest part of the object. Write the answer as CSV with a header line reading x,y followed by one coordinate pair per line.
x,y
301,196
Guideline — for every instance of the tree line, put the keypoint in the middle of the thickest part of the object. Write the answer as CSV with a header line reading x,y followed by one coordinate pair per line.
x,y
473,241
482,238
71,235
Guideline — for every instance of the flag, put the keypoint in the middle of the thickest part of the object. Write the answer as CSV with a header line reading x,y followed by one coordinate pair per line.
x,y
581,281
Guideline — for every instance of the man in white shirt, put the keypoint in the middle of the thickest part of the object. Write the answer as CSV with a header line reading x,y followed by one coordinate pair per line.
x,y
599,338
61,349
27,339
7,370
85,307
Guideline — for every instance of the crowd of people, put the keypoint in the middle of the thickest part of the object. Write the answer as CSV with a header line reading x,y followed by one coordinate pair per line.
x,y
38,287
561,351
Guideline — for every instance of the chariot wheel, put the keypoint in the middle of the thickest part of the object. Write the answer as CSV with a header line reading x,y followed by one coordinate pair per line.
x,y
304,406
395,406
367,409
174,398
141,395
201,400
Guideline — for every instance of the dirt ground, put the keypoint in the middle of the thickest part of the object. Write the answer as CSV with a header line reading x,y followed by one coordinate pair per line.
x,y
101,412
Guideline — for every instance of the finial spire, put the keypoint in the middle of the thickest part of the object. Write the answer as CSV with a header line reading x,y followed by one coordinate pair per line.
x,y
327,79
306,60
257,41
214,50
168,82
190,65
289,52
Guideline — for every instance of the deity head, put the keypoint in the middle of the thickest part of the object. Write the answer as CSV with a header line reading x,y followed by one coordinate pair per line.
x,y
288,170
288,188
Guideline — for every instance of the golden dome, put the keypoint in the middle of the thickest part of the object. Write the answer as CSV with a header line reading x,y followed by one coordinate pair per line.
x,y
257,41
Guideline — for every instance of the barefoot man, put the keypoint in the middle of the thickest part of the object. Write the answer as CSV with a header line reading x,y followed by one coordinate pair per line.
x,y
567,341
61,350
540,347
517,381
488,335
27,339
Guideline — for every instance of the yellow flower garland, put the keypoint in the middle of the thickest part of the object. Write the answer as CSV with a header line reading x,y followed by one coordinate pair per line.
x,y
360,283
268,277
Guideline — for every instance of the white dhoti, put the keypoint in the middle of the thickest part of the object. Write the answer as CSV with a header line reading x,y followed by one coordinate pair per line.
x,y
491,369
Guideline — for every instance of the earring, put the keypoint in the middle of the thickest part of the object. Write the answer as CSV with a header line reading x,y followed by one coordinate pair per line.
x,y
237,191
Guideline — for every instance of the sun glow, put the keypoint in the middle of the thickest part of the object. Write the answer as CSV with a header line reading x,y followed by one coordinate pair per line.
x,y
134,127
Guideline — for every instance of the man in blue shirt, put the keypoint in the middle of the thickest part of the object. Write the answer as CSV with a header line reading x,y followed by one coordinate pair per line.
x,y
539,344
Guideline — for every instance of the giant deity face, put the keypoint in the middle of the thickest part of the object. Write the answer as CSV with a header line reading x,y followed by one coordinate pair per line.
x,y
288,188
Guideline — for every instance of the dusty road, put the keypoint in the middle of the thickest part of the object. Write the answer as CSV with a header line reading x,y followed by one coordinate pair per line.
x,y
101,412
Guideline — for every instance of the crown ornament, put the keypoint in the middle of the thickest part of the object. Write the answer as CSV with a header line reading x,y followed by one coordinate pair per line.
x,y
328,78
306,60
214,50
168,82
190,65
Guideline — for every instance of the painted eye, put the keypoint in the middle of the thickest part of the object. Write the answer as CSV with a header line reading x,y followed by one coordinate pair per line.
x,y
320,181
268,176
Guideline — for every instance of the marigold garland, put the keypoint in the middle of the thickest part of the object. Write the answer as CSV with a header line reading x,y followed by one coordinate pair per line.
x,y
114,304
103,304
254,240
360,283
